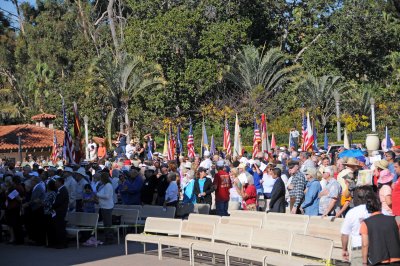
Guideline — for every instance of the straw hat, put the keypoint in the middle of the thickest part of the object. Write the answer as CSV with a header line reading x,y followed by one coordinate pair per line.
x,y
382,164
352,162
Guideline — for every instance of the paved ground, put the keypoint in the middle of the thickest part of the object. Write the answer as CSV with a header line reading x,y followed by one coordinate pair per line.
x,y
11,255
108,255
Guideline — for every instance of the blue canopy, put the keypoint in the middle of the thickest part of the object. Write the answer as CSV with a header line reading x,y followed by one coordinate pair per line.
x,y
351,153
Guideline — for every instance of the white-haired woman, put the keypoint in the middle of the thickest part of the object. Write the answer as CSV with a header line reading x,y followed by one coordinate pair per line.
x,y
249,194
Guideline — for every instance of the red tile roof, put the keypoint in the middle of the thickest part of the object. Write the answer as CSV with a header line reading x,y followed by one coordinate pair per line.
x,y
31,137
43,116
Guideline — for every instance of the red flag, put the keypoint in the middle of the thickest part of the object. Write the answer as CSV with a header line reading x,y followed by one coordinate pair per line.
x,y
256,139
171,145
309,135
77,135
273,142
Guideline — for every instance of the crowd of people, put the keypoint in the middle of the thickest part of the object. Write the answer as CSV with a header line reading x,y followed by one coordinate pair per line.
x,y
36,195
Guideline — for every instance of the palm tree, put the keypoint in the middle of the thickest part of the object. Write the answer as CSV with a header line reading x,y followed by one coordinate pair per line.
x,y
121,81
39,79
260,75
317,93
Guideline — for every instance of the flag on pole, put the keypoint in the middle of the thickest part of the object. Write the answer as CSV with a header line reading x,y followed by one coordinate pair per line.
x,y
264,145
171,145
179,147
326,145
190,143
387,142
303,131
54,151
273,141
237,145
77,135
149,150
291,141
227,139
308,135
213,149
346,142
68,145
165,150
256,139
204,139
315,144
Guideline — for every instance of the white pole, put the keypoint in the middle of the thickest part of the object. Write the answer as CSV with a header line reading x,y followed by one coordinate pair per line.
x,y
372,102
86,120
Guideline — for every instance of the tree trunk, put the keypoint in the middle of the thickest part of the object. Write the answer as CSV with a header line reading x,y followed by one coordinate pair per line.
x,y
82,17
111,15
20,19
128,126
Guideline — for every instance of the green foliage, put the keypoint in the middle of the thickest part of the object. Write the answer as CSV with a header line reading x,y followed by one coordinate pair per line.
x,y
208,58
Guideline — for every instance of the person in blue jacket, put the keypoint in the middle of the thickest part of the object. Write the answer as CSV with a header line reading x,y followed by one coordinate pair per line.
x,y
130,188
310,204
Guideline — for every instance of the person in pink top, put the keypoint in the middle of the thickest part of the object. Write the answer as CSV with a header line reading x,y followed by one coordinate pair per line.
x,y
384,186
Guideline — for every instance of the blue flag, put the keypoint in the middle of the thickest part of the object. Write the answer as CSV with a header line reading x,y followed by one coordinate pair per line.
x,y
179,147
149,150
315,145
326,145
204,140
213,149
388,140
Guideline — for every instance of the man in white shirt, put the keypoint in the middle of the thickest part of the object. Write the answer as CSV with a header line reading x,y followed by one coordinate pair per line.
x,y
206,163
71,185
351,225
306,161
130,149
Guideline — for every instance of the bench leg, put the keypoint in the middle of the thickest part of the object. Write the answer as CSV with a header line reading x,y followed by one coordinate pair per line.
x,y
144,248
126,247
180,252
159,251
77,240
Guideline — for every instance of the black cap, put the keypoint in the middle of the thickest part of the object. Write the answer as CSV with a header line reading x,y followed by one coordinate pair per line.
x,y
201,169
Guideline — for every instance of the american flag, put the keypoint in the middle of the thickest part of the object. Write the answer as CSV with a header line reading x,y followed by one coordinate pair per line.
x,y
68,146
256,139
304,132
227,139
190,142
309,136
171,145
54,152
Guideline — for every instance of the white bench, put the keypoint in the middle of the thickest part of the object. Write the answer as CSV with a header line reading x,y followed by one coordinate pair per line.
x,y
283,221
81,221
225,237
300,245
251,222
203,218
152,227
191,232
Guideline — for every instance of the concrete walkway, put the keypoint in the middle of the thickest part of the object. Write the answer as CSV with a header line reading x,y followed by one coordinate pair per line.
x,y
108,255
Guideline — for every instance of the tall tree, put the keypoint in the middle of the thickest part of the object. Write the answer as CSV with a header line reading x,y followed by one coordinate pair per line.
x,y
121,82
260,75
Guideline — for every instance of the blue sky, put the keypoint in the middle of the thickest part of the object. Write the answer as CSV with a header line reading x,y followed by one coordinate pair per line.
x,y
8,6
